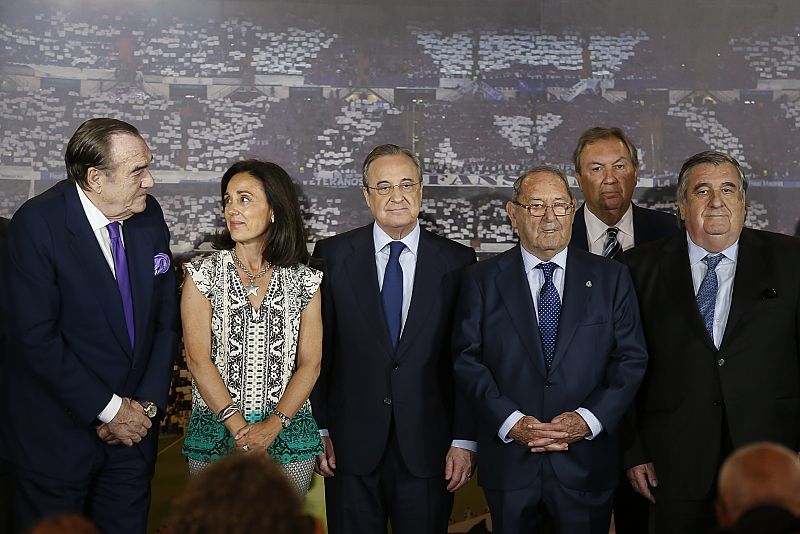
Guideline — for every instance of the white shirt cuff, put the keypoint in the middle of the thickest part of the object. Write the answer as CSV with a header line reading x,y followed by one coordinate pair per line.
x,y
111,409
465,444
508,424
323,433
594,424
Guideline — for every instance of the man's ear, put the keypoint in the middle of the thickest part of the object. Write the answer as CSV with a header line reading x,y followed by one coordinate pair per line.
x,y
94,179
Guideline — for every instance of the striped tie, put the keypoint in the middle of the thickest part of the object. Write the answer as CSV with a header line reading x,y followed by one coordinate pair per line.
x,y
612,246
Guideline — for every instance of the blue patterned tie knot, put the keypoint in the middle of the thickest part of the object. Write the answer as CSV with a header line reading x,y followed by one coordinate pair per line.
x,y
707,294
612,246
392,292
549,311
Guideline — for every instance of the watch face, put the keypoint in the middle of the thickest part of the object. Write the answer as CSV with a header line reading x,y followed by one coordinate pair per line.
x,y
150,410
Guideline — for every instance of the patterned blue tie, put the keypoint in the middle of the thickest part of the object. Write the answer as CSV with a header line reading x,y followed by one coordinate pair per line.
x,y
392,292
549,310
123,279
612,246
707,294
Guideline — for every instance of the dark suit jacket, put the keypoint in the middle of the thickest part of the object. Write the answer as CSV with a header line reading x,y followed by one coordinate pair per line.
x,y
754,378
598,364
648,225
69,346
364,382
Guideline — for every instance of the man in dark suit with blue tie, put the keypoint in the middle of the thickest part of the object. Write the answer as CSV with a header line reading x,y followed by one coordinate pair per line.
x,y
550,352
607,166
398,443
721,313
91,337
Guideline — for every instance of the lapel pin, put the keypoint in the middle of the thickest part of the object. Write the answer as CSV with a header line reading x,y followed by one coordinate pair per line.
x,y
588,283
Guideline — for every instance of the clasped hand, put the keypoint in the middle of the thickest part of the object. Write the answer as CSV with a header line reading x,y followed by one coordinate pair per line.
x,y
258,436
556,435
128,427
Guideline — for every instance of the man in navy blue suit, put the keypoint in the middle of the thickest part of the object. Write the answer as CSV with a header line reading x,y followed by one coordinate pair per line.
x,y
550,352
92,335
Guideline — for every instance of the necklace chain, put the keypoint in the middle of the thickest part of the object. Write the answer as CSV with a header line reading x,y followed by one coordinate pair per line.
x,y
250,275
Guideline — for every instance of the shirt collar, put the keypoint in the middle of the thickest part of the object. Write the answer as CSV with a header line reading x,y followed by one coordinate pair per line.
x,y
96,218
697,253
530,261
595,228
381,239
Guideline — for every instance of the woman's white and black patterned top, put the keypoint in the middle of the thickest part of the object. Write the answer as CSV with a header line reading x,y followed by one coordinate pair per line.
x,y
255,353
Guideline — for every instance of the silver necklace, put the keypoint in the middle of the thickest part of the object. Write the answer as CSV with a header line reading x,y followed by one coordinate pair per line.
x,y
252,288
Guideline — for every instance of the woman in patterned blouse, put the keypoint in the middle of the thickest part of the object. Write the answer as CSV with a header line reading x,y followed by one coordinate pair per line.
x,y
253,330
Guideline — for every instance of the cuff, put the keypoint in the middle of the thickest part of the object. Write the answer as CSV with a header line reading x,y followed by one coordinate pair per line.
x,y
111,409
465,444
594,424
508,424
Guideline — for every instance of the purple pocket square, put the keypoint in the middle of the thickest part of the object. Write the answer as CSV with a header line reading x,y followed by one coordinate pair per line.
x,y
161,263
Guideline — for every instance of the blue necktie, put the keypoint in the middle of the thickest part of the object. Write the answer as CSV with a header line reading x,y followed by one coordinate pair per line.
x,y
612,246
707,294
392,292
549,310
123,280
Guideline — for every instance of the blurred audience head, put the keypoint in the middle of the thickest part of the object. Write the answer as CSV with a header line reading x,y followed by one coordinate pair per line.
x,y
64,524
758,475
237,495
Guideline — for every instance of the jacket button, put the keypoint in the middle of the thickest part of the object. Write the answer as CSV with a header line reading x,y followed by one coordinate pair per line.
x,y
717,403
721,362
395,367
387,401
547,383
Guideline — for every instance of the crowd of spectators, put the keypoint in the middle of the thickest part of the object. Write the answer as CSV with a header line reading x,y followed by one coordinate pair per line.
x,y
771,56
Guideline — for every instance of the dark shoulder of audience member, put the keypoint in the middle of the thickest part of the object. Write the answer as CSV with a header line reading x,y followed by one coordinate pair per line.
x,y
237,495
64,524
765,520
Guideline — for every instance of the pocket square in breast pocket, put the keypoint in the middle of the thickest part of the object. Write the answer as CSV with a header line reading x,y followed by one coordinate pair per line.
x,y
161,263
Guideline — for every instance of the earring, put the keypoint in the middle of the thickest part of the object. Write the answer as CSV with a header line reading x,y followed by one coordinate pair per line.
x,y
272,218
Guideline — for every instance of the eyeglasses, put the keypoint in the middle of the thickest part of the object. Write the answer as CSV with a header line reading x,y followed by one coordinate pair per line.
x,y
538,210
405,187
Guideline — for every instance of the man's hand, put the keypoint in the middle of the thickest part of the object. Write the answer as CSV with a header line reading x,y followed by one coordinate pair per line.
x,y
569,422
458,467
129,426
325,463
642,478
538,436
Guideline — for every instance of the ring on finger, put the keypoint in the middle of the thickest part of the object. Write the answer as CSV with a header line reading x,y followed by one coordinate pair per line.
x,y
245,447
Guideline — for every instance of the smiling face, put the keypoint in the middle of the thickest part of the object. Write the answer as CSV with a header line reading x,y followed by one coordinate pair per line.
x,y
607,178
395,213
120,191
714,208
247,212
545,236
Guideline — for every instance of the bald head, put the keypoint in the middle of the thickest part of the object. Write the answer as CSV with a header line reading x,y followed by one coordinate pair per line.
x,y
761,474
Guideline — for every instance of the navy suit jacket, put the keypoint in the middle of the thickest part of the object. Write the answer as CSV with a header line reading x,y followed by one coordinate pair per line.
x,y
648,225
364,382
599,362
692,389
69,346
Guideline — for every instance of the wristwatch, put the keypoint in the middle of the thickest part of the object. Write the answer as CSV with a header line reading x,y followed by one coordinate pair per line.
x,y
285,420
150,408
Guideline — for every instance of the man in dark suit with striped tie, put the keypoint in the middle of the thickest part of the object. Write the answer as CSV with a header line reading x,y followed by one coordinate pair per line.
x,y
397,440
606,166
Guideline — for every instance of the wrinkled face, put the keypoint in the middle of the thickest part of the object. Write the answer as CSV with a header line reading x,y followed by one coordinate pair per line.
x,y
607,177
121,190
545,236
247,212
714,208
396,213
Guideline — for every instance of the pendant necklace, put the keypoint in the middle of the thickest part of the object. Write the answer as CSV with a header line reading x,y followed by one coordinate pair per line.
x,y
251,288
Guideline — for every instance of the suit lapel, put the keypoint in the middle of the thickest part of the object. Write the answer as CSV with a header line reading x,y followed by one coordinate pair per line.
x,y
364,283
750,265
98,275
576,294
427,275
579,238
516,294
139,253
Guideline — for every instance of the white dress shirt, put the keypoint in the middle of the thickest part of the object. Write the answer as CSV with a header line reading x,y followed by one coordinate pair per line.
x,y
726,270
596,231
99,224
408,263
535,282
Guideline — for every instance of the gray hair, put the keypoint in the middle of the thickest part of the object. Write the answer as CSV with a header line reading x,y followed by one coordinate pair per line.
x,y
517,187
388,149
712,157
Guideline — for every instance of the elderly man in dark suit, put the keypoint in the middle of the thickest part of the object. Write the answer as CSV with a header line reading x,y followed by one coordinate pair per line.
x,y
721,311
397,441
5,475
91,337
550,353
607,168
